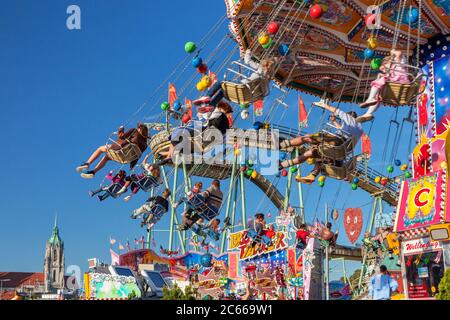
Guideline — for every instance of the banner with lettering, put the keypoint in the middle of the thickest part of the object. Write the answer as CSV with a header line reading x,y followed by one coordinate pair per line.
x,y
420,202
419,246
243,242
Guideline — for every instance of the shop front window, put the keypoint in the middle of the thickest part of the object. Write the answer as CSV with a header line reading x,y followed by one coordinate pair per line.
x,y
423,273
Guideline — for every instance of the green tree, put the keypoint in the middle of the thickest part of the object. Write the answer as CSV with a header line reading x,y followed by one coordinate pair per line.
x,y
176,293
444,287
132,295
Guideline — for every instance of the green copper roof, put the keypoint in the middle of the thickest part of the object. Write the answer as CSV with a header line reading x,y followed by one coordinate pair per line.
x,y
55,239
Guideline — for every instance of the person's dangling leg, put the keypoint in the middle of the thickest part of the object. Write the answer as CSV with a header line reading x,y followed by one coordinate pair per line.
x,y
291,162
375,89
368,116
296,142
98,167
103,196
93,193
312,175
100,150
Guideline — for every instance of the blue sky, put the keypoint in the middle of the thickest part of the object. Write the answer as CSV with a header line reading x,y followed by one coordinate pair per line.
x,y
63,92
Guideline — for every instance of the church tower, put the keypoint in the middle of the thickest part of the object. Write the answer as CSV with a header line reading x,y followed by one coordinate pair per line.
x,y
54,262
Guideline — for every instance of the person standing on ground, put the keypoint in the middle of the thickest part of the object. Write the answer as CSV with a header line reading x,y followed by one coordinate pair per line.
x,y
382,285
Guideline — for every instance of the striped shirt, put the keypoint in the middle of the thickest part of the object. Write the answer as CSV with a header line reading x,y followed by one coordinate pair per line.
x,y
214,196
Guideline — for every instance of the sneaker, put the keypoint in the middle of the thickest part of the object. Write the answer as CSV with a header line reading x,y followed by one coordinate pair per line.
x,y
91,194
365,118
202,100
133,216
100,198
127,198
84,166
308,179
88,175
368,103
143,224
319,103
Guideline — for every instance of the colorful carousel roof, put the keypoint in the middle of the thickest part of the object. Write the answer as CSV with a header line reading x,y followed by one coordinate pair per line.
x,y
327,54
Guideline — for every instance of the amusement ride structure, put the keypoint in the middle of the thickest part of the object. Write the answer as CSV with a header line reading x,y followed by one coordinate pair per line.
x,y
332,50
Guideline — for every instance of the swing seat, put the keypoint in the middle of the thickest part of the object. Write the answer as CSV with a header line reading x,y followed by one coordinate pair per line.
x,y
160,142
398,94
113,189
157,211
336,153
338,172
146,183
128,153
203,210
245,94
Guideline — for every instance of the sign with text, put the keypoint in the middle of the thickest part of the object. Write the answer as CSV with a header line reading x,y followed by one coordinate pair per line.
x,y
243,242
420,202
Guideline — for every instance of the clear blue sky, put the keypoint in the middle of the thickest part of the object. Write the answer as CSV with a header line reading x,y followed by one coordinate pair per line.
x,y
63,92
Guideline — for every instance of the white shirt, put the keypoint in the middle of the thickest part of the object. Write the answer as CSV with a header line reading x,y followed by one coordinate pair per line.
x,y
350,128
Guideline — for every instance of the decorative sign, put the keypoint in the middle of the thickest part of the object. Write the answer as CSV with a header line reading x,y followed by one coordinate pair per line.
x,y
308,258
420,245
423,272
106,286
420,202
353,222
240,240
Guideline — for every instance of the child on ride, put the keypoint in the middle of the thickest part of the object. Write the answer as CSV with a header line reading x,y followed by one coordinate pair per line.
x,y
263,70
153,209
117,181
153,173
392,70
302,235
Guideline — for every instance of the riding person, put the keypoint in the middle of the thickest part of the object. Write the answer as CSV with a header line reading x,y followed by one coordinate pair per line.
x,y
205,205
302,236
392,70
137,136
263,70
257,229
117,181
348,128
153,209
218,119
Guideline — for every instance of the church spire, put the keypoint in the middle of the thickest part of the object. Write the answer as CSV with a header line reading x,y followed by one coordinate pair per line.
x,y
55,239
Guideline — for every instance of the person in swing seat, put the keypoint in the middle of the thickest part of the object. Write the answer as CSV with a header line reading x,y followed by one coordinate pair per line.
x,y
153,209
117,181
263,70
347,128
137,136
392,70
218,119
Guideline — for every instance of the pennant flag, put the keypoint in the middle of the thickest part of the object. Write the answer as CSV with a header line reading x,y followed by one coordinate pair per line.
x,y
121,247
366,145
172,95
303,115
153,242
213,77
112,241
230,119
423,114
114,258
188,104
258,108
128,245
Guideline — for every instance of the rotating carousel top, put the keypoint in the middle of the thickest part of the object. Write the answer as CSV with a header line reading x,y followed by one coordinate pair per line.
x,y
327,51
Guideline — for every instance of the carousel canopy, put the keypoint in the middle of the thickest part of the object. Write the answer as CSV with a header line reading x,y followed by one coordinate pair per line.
x,y
327,52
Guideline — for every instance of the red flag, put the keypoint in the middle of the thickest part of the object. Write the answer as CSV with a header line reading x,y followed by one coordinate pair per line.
x,y
172,95
258,108
423,115
188,104
366,146
213,77
230,119
303,115
114,258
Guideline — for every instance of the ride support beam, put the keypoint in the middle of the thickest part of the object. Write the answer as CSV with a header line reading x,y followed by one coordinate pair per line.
x,y
173,216
244,214
230,193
